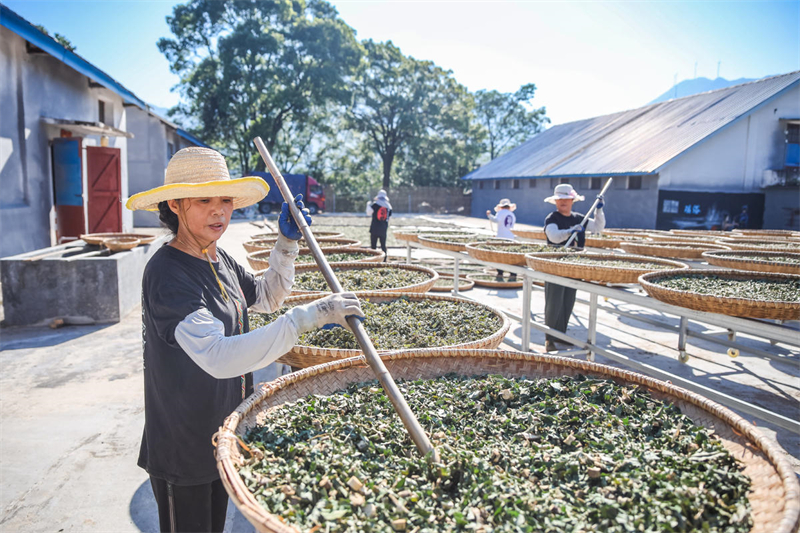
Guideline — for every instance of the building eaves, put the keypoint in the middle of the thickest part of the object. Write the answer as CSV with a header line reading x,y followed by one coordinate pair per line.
x,y
11,20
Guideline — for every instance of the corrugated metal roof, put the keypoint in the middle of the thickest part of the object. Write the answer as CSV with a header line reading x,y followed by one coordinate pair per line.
x,y
638,141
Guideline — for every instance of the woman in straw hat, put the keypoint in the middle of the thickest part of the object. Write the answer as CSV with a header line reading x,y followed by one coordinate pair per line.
x,y
380,210
198,350
505,218
558,227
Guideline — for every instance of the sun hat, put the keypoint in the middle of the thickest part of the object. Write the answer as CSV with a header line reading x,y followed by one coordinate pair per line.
x,y
381,195
564,191
196,172
505,202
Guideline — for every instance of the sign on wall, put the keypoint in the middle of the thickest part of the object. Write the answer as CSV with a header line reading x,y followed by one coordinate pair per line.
x,y
708,210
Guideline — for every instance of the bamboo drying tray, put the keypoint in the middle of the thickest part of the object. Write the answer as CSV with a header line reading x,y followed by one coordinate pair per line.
x,y
746,260
775,495
762,245
98,238
325,242
547,262
787,233
700,232
120,244
499,256
260,260
479,280
420,287
742,307
412,235
671,250
304,356
274,235
439,240
464,284
532,234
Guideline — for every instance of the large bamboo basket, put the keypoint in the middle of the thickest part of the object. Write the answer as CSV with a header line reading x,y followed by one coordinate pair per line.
x,y
98,238
700,232
671,250
499,256
487,280
304,356
682,239
761,245
412,235
532,234
324,242
441,242
742,307
593,241
421,287
775,495
319,234
260,260
770,233
547,263
744,260
464,284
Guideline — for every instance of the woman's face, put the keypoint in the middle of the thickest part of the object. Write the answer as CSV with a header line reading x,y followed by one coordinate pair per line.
x,y
206,218
564,206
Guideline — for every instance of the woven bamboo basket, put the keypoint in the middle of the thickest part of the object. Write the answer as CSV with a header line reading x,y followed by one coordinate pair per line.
x,y
464,284
421,287
304,356
744,260
761,245
120,244
532,234
670,250
442,242
700,233
260,260
487,280
742,307
98,238
499,256
771,233
319,234
324,242
412,235
548,263
682,239
775,495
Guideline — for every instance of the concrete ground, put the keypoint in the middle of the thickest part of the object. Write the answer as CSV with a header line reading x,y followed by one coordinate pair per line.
x,y
71,405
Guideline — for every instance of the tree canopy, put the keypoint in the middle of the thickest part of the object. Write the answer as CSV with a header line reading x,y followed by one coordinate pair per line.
x,y
508,118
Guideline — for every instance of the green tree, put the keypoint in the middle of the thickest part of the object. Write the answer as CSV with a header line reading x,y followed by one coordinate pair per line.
x,y
258,68
508,118
401,104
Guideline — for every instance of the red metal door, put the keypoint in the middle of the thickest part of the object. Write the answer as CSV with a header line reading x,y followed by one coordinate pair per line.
x,y
105,189
67,188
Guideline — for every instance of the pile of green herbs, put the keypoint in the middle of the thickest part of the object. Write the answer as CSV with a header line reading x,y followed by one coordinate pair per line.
x,y
338,257
366,279
516,248
404,324
462,239
448,282
612,263
787,246
766,290
491,277
570,454
773,258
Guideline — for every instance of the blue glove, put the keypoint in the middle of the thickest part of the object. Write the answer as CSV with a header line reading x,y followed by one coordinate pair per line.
x,y
602,201
577,228
286,223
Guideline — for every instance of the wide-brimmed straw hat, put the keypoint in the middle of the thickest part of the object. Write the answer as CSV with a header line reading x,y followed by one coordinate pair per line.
x,y
200,173
564,191
505,202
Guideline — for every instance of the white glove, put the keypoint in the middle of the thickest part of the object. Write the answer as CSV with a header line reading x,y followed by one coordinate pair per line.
x,y
333,309
577,228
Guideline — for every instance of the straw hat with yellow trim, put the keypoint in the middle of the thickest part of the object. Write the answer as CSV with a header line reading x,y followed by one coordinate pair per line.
x,y
200,173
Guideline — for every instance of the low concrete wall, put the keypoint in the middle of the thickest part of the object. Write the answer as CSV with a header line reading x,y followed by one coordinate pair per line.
x,y
97,289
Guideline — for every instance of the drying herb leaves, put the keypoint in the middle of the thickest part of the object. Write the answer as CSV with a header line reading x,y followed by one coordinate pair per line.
x,y
773,258
338,257
613,263
404,324
367,279
448,283
458,239
752,289
520,248
551,455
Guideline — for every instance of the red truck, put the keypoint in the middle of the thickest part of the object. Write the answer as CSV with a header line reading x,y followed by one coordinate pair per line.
x,y
313,196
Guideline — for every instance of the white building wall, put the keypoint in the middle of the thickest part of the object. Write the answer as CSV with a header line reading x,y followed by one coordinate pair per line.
x,y
33,86
147,159
734,159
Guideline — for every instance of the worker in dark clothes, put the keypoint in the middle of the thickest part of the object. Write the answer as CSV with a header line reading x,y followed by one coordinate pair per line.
x,y
380,210
742,220
558,227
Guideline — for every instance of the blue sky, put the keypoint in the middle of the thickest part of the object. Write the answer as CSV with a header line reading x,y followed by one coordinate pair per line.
x,y
587,58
